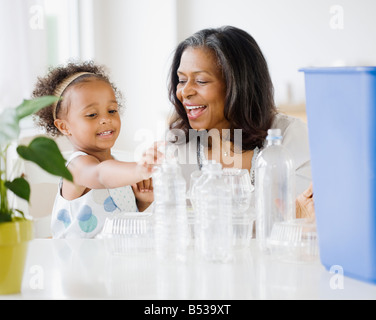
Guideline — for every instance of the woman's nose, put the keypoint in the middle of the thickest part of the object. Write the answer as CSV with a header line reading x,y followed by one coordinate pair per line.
x,y
187,90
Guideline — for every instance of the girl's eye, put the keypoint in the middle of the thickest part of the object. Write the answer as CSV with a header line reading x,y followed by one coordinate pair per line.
x,y
91,115
113,111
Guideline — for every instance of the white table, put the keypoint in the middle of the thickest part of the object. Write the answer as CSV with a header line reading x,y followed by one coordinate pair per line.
x,y
87,269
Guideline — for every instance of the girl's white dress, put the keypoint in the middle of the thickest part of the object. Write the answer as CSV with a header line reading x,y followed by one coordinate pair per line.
x,y
84,217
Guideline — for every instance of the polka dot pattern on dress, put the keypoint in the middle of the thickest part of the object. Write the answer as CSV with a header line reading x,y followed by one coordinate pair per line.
x,y
63,216
124,198
87,221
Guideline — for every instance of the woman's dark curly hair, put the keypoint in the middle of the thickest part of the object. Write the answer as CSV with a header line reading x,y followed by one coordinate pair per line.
x,y
47,85
249,90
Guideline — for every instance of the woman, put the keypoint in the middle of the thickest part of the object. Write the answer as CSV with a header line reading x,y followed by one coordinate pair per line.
x,y
221,88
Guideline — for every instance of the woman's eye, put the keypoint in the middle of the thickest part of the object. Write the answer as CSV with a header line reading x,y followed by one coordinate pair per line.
x,y
182,81
201,82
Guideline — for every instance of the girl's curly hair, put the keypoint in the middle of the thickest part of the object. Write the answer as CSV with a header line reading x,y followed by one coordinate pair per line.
x,y
47,85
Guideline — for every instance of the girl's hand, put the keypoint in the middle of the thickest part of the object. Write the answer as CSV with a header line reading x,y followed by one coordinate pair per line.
x,y
150,158
305,207
144,194
145,186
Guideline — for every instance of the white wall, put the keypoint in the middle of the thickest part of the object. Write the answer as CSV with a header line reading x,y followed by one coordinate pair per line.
x,y
293,33
136,38
22,49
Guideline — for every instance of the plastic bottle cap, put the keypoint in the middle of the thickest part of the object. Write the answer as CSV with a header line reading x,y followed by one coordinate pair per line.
x,y
212,165
274,134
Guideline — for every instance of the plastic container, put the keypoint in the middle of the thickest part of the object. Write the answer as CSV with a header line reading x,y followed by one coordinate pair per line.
x,y
341,109
274,187
170,212
196,179
214,215
294,240
242,193
243,216
128,232
241,189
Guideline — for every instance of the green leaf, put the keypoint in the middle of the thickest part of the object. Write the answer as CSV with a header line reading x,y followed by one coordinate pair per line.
x,y
29,107
10,117
44,152
9,128
20,187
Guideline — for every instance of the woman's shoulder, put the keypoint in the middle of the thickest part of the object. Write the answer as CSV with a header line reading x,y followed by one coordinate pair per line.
x,y
285,122
295,139
292,129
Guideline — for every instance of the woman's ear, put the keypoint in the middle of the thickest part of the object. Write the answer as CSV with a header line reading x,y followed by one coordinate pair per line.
x,y
62,126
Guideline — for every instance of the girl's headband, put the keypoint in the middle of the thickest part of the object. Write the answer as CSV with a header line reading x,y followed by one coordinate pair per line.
x,y
62,86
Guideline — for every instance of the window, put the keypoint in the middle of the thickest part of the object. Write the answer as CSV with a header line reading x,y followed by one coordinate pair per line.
x,y
36,34
69,30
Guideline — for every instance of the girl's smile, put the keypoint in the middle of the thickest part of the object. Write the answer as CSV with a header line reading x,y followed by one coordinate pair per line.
x,y
106,134
92,122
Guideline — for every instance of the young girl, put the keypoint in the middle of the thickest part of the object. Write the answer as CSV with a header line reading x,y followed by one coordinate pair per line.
x,y
88,114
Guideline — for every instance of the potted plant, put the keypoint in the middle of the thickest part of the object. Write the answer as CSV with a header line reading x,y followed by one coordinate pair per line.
x,y
15,229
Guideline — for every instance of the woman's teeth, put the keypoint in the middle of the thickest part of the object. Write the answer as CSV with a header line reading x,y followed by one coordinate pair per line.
x,y
194,107
194,112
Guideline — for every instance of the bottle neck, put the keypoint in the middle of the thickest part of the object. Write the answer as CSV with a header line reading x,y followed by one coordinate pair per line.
x,y
274,142
212,172
170,167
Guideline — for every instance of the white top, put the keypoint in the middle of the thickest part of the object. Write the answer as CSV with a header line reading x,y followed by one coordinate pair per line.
x,y
84,217
295,139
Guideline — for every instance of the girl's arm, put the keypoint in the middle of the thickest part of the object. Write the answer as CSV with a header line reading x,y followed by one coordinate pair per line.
x,y
89,173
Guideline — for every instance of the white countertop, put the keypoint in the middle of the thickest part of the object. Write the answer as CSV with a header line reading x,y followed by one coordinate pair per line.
x,y
87,269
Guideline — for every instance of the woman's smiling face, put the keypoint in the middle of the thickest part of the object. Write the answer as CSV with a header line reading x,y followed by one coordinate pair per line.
x,y
202,89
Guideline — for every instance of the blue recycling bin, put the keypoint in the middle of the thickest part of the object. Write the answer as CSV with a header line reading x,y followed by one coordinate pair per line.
x,y
341,114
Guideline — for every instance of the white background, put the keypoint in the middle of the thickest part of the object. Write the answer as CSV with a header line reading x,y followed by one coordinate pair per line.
x,y
135,39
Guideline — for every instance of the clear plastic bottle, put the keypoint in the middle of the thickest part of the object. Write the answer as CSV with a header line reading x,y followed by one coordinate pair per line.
x,y
274,187
214,213
197,178
170,211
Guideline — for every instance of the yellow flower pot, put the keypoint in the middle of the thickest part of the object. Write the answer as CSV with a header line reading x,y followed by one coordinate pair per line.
x,y
14,238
